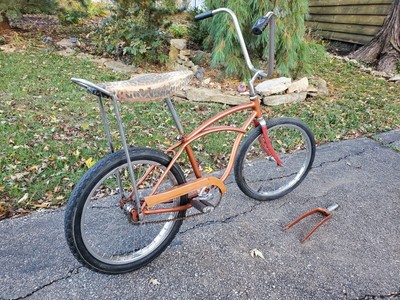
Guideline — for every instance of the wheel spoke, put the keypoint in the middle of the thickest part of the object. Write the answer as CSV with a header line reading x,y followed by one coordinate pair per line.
x,y
101,235
259,176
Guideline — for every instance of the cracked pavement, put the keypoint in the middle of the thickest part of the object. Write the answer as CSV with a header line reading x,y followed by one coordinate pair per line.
x,y
355,255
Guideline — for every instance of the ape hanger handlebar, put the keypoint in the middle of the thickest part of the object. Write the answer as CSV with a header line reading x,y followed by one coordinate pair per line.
x,y
257,29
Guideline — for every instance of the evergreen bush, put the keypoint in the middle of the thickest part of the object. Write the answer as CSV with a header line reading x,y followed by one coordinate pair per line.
x,y
291,49
137,31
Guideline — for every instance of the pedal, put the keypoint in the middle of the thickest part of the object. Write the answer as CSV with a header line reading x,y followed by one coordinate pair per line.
x,y
202,205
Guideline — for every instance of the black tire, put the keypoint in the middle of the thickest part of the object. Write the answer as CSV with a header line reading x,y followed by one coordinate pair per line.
x,y
259,176
98,231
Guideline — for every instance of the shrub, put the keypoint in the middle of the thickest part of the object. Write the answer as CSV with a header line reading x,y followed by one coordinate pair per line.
x,y
292,51
135,31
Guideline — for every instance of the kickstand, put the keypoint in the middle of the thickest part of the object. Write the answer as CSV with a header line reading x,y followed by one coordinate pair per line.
x,y
326,212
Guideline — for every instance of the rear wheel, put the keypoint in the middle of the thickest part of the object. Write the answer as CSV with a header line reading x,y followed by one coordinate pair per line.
x,y
258,175
99,232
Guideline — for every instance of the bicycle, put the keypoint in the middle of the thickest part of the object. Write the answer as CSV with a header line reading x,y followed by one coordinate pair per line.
x,y
128,207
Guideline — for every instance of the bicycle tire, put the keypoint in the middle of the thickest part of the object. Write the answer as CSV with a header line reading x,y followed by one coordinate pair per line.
x,y
258,175
97,230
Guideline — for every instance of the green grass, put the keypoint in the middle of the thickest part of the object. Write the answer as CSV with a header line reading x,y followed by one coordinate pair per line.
x,y
358,103
51,127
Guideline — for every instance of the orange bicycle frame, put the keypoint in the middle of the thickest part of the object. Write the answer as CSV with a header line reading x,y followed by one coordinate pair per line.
x,y
184,145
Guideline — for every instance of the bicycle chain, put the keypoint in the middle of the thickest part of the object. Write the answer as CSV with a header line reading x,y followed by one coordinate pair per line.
x,y
177,218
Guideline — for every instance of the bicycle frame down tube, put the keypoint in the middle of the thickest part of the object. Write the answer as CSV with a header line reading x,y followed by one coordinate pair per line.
x,y
204,129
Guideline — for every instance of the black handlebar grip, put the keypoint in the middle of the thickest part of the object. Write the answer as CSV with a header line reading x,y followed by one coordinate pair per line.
x,y
260,25
204,15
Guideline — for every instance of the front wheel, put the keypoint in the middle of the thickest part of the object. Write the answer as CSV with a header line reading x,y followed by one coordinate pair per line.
x,y
258,175
99,232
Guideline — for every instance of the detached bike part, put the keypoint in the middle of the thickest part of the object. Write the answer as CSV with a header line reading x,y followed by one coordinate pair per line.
x,y
323,211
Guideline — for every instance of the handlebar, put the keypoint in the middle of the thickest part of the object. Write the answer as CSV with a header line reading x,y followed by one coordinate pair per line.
x,y
204,15
261,23
257,29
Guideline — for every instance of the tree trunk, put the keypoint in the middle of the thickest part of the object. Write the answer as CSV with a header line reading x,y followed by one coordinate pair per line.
x,y
5,23
384,48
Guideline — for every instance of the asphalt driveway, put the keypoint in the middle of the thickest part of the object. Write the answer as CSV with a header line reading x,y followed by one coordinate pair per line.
x,y
355,255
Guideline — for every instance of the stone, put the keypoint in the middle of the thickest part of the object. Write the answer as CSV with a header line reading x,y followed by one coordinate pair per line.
x,y
320,85
380,74
300,85
66,44
185,52
284,99
273,86
365,69
189,64
395,78
207,80
119,66
179,67
66,52
179,44
183,57
173,54
312,91
212,95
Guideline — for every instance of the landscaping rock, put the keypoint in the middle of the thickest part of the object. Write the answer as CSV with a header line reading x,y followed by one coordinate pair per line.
x,y
273,86
312,91
173,54
66,52
179,67
395,78
185,52
179,44
67,43
320,85
300,85
119,66
212,95
284,99
380,74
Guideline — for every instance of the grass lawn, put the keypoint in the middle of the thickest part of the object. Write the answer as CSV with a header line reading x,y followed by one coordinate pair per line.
x,y
51,130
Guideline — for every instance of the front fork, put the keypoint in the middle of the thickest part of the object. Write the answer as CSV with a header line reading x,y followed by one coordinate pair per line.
x,y
265,141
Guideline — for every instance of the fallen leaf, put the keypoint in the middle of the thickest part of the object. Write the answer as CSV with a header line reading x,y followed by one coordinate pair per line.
x,y
85,126
208,169
256,253
90,162
34,167
24,198
18,176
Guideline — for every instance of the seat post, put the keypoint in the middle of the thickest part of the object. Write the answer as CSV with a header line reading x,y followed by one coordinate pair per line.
x,y
174,115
